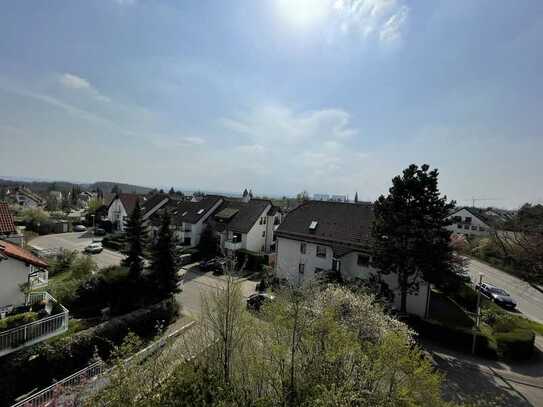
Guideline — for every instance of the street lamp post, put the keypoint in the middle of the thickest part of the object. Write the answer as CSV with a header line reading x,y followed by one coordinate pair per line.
x,y
478,315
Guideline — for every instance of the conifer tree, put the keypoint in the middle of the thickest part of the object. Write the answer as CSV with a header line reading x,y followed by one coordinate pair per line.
x,y
164,265
135,236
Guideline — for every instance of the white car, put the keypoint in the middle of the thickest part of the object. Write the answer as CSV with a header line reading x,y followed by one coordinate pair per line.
x,y
94,248
79,228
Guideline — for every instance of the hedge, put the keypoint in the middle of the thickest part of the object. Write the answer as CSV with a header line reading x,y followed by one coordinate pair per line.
x,y
455,337
515,345
38,366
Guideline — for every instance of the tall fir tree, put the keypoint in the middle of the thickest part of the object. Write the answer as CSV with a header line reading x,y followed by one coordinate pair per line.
x,y
356,197
164,265
410,239
136,235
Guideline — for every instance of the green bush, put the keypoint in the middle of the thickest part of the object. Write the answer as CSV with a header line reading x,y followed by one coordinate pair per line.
x,y
17,320
517,344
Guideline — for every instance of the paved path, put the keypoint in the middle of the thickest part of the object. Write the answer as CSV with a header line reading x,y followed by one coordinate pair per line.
x,y
529,300
77,241
470,378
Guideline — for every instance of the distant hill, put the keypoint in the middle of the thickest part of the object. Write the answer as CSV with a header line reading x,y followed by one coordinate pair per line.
x,y
40,185
107,186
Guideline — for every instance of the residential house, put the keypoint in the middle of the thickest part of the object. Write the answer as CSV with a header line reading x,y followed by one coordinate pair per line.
x,y
120,208
18,266
321,197
243,224
8,230
469,222
28,199
320,237
188,218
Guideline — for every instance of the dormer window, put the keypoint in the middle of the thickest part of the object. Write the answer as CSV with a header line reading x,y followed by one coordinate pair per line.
x,y
313,225
200,212
184,213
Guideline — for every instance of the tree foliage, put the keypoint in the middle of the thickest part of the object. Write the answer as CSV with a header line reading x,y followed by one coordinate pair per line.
x,y
136,236
308,348
410,239
164,264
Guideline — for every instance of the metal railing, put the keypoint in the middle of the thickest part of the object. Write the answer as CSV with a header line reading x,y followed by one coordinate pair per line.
x,y
37,331
88,377
82,377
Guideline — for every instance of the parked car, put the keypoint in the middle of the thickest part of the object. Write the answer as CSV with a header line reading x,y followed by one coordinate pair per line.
x,y
464,276
208,265
94,248
99,232
497,295
79,228
257,300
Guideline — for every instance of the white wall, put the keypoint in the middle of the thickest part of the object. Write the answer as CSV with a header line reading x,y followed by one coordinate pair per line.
x,y
475,223
12,273
117,213
289,257
254,239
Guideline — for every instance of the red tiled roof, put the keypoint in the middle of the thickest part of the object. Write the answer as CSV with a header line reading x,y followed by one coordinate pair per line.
x,y
17,252
7,223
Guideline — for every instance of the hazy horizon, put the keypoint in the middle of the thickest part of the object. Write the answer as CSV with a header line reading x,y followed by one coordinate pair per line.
x,y
328,96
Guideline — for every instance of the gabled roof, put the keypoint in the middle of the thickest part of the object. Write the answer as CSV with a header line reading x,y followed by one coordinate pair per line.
x,y
7,223
128,200
240,216
343,226
154,201
31,195
17,252
182,211
478,213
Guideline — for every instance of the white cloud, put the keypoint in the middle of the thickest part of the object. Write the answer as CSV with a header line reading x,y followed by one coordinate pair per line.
x,y
74,82
383,19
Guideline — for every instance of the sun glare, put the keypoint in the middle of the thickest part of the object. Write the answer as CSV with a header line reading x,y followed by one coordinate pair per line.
x,y
303,13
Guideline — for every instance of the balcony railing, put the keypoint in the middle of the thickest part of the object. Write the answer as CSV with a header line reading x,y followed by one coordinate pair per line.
x,y
34,332
39,279
232,245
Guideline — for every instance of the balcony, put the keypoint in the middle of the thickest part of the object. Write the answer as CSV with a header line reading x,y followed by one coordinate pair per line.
x,y
37,331
232,245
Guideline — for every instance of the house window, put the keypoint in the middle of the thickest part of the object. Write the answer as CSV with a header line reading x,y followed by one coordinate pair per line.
x,y
474,228
363,260
457,219
336,265
303,248
321,251
301,268
318,270
467,219
459,226
481,229
466,227
263,233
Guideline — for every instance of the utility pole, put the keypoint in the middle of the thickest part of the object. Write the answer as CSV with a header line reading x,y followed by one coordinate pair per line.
x,y
478,315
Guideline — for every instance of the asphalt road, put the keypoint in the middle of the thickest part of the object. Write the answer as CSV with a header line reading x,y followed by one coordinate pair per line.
x,y
77,241
529,300
196,283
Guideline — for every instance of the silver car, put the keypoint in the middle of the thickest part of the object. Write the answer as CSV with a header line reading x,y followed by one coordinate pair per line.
x,y
497,295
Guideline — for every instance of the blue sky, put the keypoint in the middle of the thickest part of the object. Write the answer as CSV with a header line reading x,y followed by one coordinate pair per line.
x,y
279,96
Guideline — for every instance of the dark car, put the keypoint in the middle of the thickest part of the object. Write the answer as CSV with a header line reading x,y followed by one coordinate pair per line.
x,y
257,300
208,265
99,232
497,295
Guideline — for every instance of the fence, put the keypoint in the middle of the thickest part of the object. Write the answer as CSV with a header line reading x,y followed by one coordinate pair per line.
x,y
34,332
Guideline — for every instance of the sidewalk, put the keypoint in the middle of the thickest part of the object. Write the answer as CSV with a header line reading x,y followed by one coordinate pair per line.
x,y
471,377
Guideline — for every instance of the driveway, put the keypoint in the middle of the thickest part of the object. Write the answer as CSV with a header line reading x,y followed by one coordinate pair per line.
x,y
77,241
197,284
529,300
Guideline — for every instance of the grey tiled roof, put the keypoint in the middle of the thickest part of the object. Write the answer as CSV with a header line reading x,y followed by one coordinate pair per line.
x,y
343,226
248,213
187,211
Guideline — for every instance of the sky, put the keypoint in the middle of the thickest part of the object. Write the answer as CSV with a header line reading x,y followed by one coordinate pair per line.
x,y
279,96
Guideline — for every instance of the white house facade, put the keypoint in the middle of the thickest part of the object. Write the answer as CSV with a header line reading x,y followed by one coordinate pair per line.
x,y
468,222
120,209
320,237
18,266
